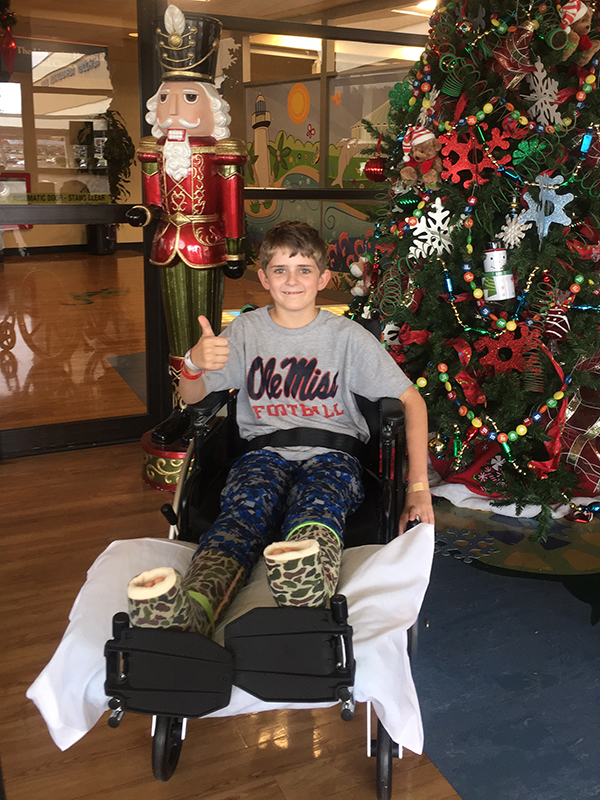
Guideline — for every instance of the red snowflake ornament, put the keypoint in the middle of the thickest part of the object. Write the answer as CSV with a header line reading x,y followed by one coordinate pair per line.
x,y
505,353
465,159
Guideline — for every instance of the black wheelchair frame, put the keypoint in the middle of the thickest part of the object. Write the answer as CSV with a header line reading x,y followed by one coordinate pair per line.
x,y
276,654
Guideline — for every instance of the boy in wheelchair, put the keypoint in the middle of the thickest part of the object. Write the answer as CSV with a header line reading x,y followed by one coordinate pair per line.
x,y
296,369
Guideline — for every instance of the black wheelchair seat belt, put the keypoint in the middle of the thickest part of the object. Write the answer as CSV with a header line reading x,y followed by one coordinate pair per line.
x,y
309,437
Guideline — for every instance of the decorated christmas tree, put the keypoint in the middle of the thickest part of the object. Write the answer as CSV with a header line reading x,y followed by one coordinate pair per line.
x,y
484,260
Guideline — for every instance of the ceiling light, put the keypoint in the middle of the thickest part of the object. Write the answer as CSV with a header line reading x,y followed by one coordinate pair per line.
x,y
303,43
427,5
410,53
411,13
133,34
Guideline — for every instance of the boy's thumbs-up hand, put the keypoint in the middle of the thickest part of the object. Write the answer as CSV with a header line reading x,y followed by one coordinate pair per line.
x,y
205,326
210,352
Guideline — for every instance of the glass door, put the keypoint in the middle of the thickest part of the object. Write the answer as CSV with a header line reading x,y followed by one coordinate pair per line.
x,y
80,315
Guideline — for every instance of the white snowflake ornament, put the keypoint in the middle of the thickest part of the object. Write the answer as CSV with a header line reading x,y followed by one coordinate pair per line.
x,y
544,94
513,232
431,234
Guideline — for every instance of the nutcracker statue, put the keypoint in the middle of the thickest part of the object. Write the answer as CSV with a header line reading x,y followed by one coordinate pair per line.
x,y
193,185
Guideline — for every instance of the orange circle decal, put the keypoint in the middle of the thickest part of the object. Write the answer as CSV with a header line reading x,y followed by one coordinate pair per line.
x,y
298,104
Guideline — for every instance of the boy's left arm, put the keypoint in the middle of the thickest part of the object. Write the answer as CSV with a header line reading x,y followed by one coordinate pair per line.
x,y
418,497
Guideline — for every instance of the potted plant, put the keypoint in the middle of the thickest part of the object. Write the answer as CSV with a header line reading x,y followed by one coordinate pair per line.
x,y
109,151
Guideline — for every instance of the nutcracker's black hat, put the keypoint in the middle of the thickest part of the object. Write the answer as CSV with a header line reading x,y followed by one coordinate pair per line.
x,y
187,45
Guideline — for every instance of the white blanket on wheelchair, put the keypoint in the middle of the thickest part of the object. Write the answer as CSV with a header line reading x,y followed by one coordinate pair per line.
x,y
384,585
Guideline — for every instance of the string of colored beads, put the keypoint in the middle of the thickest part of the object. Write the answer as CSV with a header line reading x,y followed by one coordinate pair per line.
x,y
400,228
512,116
506,448
450,297
587,85
574,288
478,422
421,83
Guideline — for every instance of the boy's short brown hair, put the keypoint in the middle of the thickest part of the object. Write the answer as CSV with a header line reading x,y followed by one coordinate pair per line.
x,y
297,237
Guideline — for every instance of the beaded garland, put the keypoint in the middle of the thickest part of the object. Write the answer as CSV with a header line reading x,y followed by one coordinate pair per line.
x,y
402,227
490,431
500,324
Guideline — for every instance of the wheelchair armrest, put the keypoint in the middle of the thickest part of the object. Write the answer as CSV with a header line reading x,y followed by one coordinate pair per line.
x,y
392,415
203,411
392,466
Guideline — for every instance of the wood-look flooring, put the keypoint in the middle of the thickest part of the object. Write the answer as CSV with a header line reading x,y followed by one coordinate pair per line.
x,y
59,512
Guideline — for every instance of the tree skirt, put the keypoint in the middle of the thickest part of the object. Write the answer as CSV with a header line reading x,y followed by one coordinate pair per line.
x,y
501,541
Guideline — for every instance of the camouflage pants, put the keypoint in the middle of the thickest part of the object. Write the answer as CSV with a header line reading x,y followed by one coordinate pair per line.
x,y
267,498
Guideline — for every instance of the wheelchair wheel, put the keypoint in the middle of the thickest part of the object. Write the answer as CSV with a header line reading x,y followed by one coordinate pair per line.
x,y
166,747
384,755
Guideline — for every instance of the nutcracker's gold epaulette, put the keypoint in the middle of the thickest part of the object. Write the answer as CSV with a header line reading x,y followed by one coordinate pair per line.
x,y
231,147
147,145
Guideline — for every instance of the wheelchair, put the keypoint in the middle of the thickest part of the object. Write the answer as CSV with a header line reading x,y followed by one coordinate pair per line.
x,y
277,654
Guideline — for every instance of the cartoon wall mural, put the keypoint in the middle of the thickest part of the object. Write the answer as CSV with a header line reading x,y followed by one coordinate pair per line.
x,y
283,132
348,149
282,135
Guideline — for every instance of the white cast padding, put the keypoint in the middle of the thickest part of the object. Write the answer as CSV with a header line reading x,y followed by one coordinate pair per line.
x,y
137,590
305,547
385,587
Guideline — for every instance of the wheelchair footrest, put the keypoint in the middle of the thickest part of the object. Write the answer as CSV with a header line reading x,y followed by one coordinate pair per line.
x,y
298,655
153,671
292,654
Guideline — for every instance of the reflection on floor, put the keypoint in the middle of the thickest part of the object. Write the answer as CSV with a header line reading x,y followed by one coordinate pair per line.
x,y
132,368
72,336
62,316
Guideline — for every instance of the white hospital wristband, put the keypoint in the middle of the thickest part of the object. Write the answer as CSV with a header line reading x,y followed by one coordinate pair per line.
x,y
192,368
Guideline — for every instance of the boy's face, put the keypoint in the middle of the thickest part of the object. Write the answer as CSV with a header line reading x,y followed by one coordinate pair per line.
x,y
293,281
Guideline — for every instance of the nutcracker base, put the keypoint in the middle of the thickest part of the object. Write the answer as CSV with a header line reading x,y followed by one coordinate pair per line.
x,y
161,465
171,429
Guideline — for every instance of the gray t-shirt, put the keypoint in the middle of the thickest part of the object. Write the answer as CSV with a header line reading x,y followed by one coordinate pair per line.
x,y
304,377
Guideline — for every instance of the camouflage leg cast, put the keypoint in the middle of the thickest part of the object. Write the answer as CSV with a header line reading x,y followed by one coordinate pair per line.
x,y
309,576
192,603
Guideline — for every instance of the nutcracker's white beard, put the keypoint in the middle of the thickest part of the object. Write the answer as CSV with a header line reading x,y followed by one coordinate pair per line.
x,y
177,158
